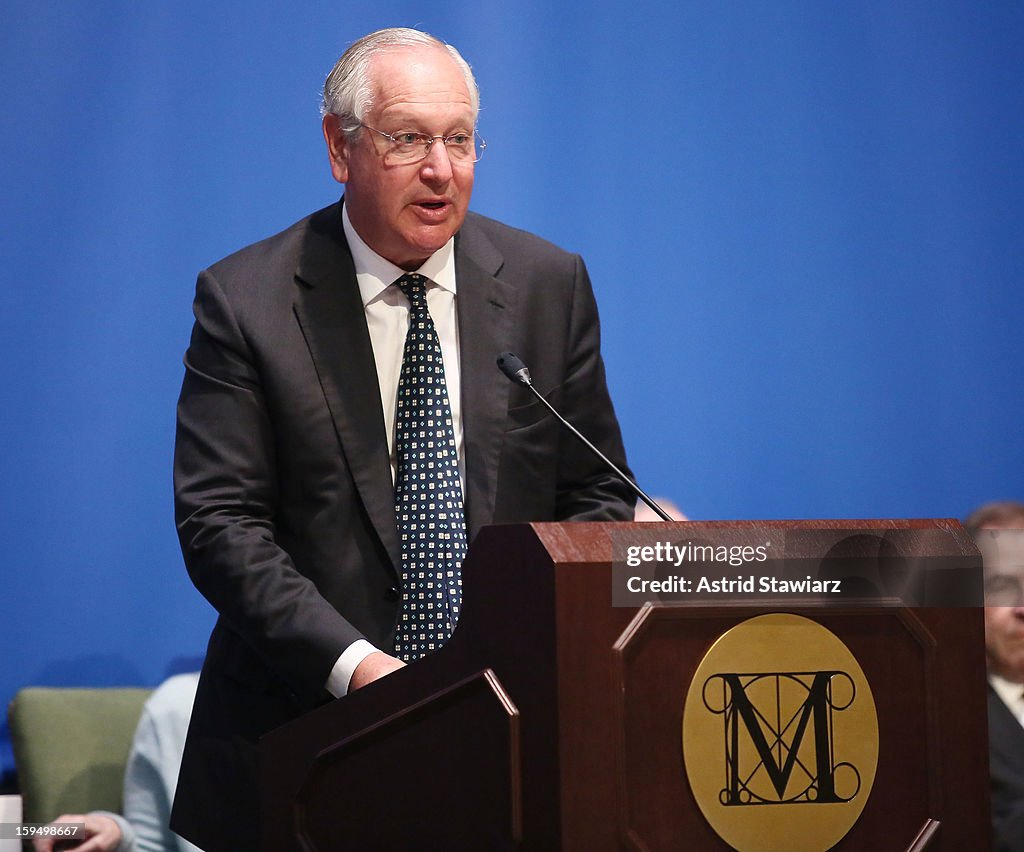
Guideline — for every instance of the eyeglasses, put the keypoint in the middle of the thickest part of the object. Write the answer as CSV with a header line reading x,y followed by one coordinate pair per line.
x,y
408,146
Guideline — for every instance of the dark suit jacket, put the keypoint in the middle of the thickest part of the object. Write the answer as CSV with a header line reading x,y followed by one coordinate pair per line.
x,y
284,497
1006,772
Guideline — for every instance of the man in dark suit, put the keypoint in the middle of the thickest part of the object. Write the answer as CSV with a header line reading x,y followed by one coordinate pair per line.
x,y
285,461
998,529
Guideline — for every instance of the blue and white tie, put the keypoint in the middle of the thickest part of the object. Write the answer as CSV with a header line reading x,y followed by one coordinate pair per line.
x,y
428,493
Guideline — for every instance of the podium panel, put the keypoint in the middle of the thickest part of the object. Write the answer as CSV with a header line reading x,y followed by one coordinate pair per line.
x,y
467,734
555,720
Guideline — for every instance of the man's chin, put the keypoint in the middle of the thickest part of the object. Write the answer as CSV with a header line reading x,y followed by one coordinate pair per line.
x,y
425,243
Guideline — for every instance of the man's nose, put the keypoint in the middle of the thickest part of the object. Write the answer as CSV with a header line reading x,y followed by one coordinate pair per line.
x,y
437,164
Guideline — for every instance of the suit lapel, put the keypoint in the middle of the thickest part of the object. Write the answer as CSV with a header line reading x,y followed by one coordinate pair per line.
x,y
486,311
330,312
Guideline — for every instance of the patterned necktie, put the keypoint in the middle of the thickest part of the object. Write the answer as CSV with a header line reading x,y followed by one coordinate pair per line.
x,y
428,494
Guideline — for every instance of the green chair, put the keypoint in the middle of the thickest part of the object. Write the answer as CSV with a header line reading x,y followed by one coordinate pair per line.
x,y
71,746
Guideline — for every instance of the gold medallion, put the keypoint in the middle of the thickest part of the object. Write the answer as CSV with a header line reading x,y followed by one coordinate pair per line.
x,y
780,736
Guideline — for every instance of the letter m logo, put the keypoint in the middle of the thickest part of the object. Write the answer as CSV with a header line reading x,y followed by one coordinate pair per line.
x,y
778,736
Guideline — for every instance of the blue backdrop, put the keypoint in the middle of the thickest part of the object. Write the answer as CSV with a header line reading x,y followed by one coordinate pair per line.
x,y
802,220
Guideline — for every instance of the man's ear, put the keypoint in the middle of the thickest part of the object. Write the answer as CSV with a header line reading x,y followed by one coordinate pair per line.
x,y
337,147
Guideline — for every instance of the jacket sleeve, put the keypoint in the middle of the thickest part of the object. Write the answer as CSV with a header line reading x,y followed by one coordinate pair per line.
x,y
226,504
587,489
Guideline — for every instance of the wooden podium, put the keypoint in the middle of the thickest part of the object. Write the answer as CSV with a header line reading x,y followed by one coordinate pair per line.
x,y
552,718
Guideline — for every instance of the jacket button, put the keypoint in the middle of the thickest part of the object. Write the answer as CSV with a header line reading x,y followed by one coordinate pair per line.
x,y
392,594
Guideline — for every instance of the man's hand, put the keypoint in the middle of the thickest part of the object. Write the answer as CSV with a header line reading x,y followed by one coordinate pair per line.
x,y
376,665
102,834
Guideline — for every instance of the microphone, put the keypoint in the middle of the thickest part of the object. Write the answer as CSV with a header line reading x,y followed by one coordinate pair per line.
x,y
518,372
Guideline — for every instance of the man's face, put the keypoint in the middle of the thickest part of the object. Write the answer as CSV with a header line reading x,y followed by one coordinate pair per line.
x,y
407,211
1003,554
1004,641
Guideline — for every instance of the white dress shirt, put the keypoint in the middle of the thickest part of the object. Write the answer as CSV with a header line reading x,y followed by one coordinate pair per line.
x,y
387,318
1011,693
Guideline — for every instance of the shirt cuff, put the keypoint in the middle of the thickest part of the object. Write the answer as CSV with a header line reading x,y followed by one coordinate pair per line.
x,y
351,657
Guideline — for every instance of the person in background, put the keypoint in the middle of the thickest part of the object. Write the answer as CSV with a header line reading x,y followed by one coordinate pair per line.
x,y
998,530
149,780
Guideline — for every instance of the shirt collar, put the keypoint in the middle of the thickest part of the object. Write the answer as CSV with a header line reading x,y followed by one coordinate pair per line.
x,y
374,274
1010,692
